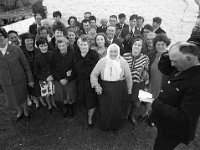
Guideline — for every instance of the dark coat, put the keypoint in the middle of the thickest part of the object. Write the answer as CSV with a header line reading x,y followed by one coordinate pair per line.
x,y
60,64
101,29
42,66
14,75
159,30
84,67
124,29
176,111
33,29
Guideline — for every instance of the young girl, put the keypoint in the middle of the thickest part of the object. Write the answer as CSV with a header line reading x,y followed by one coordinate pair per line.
x,y
43,74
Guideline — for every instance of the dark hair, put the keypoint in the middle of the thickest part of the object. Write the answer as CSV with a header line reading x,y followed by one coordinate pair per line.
x,y
92,18
105,38
3,32
72,17
134,16
189,49
140,18
25,36
12,31
148,27
87,12
58,26
113,16
40,41
161,37
122,15
157,20
137,38
85,21
57,13
41,28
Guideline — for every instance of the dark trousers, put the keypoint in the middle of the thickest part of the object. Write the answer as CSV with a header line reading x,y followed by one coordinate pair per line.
x,y
161,143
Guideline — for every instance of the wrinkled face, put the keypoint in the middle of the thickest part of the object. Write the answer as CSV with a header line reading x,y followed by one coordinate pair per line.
x,y
13,38
113,53
72,22
118,32
43,48
43,33
28,42
92,23
155,25
178,60
149,41
140,22
122,20
161,46
113,21
145,33
58,34
84,47
38,18
86,26
3,40
100,40
62,47
133,23
136,48
110,32
71,36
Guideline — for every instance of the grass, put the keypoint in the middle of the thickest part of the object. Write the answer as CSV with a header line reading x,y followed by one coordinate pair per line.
x,y
53,132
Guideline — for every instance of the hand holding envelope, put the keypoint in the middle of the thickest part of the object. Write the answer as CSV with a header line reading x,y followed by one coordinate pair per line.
x,y
145,96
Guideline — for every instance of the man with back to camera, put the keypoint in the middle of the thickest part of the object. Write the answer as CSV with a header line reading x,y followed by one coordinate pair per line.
x,y
176,111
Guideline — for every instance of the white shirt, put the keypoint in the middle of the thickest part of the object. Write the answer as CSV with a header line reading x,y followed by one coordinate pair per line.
x,y
3,50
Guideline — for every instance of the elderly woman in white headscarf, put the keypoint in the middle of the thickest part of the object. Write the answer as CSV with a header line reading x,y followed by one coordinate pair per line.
x,y
113,89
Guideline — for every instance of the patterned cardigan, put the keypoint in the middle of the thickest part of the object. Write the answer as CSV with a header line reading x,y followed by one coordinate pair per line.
x,y
139,67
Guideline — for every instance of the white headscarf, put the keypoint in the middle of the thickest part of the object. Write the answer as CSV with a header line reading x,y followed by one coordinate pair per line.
x,y
112,69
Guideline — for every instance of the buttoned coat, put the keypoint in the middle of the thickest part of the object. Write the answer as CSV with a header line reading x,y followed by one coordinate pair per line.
x,y
14,75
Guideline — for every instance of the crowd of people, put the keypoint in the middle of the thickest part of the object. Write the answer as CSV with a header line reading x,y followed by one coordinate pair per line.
x,y
104,67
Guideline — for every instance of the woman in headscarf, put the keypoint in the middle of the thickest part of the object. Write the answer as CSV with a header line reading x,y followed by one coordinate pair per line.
x,y
113,90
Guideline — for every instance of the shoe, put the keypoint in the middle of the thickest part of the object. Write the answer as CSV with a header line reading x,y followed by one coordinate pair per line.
x,y
20,118
71,111
50,111
65,110
90,126
27,119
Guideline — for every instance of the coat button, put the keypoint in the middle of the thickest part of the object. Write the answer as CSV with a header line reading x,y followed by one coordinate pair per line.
x,y
168,82
161,91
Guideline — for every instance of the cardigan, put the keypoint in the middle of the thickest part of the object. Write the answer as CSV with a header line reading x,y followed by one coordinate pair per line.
x,y
99,71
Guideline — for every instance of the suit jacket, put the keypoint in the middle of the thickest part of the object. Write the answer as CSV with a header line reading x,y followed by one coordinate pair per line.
x,y
124,29
14,67
101,29
33,29
159,30
176,111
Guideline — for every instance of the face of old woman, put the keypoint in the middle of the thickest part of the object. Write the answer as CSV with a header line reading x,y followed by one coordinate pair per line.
x,y
136,48
113,53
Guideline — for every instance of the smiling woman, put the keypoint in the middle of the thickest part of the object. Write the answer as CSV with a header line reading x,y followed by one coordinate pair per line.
x,y
14,75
